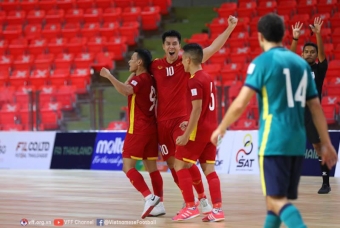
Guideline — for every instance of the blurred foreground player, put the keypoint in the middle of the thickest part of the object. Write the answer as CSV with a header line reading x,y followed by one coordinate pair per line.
x,y
284,84
195,143
141,139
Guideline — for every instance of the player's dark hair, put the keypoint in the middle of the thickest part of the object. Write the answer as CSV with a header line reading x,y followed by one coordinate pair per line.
x,y
310,44
145,56
195,51
171,33
272,28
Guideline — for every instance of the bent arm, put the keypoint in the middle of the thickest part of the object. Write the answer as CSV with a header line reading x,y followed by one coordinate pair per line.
x,y
194,117
124,89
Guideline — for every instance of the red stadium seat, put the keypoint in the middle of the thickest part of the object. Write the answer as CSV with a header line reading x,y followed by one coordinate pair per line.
x,y
16,17
164,5
35,16
74,16
51,31
55,16
64,61
286,8
109,29
93,15
306,6
84,4
112,15
27,6
226,9
266,7
47,4
151,18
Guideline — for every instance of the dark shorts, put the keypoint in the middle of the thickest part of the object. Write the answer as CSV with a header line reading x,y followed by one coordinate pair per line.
x,y
311,132
280,175
168,131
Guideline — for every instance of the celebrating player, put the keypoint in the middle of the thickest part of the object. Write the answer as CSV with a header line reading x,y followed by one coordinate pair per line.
x,y
195,143
284,87
173,99
141,139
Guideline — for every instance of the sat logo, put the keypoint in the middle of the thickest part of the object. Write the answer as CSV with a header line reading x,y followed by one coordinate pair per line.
x,y
241,155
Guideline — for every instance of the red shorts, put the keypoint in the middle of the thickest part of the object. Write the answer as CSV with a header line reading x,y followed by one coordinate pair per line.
x,y
168,131
141,147
205,152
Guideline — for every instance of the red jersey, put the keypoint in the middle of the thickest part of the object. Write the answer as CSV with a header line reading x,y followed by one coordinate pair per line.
x,y
142,118
171,84
203,88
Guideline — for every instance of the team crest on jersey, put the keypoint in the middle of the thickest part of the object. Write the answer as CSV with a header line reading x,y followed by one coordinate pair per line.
x,y
133,82
160,67
178,64
193,92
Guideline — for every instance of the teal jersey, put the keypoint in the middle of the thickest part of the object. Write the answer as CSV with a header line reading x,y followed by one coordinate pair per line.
x,y
283,82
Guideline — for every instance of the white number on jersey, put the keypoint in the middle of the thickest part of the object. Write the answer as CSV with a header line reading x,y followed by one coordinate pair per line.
x,y
152,97
300,94
212,102
170,71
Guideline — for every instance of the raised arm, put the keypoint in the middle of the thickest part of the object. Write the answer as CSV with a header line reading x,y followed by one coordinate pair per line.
x,y
296,34
218,43
122,88
316,28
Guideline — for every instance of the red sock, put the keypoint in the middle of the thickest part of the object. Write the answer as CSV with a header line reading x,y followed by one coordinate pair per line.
x,y
197,181
157,183
174,175
215,189
185,184
138,182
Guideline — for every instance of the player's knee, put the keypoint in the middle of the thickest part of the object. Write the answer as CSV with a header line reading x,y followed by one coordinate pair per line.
x,y
179,164
150,165
170,162
275,203
207,168
128,164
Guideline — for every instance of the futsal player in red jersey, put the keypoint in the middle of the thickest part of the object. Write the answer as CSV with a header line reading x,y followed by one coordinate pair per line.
x,y
173,100
141,139
194,144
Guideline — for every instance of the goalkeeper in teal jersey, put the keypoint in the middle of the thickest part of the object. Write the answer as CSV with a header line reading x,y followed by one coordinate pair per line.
x,y
284,86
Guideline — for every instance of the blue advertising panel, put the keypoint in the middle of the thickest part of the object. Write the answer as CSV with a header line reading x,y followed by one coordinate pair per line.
x,y
107,154
73,150
311,165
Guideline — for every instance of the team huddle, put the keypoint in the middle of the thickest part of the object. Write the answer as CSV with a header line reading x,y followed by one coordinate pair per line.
x,y
172,106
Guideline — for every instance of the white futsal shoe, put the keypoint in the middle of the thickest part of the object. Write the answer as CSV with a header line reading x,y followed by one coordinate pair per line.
x,y
150,202
158,210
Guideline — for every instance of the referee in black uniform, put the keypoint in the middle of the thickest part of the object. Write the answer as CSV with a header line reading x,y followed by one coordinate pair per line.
x,y
310,53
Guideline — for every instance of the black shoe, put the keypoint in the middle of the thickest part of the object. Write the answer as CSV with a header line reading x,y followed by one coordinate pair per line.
x,y
325,189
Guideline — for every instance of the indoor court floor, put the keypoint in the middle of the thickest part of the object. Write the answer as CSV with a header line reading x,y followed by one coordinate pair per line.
x,y
83,196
